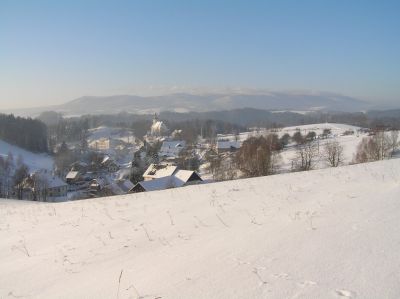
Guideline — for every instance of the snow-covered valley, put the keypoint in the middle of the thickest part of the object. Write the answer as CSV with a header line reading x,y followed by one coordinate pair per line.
x,y
330,233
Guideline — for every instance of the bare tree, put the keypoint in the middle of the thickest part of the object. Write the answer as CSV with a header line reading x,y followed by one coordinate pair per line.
x,y
257,156
383,145
21,173
333,153
306,156
40,187
373,148
226,169
188,159
393,139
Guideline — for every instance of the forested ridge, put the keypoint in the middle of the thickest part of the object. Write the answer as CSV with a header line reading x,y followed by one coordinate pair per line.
x,y
27,133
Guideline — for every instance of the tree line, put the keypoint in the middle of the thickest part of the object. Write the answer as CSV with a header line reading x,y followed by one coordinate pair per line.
x,y
27,133
260,156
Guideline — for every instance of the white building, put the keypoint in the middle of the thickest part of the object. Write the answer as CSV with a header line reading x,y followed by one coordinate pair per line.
x,y
158,128
171,149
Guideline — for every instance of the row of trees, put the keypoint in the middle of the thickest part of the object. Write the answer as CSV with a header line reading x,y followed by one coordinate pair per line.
x,y
380,146
259,156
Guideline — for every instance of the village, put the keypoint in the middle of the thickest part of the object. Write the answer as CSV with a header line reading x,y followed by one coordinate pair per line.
x,y
116,162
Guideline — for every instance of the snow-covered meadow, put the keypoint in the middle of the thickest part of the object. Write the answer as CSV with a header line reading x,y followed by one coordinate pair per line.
x,y
288,154
330,233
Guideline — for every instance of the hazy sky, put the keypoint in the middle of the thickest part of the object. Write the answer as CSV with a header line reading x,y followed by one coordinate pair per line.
x,y
54,51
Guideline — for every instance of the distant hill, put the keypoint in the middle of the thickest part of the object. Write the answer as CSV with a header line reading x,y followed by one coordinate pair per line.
x,y
185,102
212,102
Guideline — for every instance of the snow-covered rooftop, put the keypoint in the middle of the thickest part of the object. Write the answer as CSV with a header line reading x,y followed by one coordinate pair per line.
x,y
162,183
159,171
72,175
184,175
172,148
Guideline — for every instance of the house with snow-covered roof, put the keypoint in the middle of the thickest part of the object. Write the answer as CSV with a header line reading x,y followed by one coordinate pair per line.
x,y
44,185
180,178
171,149
109,164
119,187
73,177
155,171
165,176
227,146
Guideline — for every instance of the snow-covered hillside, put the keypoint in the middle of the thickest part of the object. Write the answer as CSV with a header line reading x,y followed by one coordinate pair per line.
x,y
329,233
32,160
348,142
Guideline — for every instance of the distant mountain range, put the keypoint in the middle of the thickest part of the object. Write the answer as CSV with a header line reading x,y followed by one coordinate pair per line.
x,y
185,102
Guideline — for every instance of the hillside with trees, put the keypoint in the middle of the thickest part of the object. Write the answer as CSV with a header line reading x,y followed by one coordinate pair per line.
x,y
26,133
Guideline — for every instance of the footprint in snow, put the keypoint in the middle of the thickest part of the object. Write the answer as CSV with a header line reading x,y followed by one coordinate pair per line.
x,y
281,275
307,283
345,293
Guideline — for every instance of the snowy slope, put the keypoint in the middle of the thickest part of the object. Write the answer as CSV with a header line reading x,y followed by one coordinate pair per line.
x,y
32,160
329,233
349,142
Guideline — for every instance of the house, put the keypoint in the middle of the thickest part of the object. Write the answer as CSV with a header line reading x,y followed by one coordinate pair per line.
x,y
188,177
109,164
171,149
227,146
156,184
155,171
44,186
179,178
96,185
122,187
101,144
56,187
73,177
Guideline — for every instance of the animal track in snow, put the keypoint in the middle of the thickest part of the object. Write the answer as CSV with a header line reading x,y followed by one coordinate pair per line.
x,y
281,275
345,293
307,283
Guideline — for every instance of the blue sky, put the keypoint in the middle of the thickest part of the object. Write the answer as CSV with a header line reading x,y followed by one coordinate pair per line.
x,y
55,51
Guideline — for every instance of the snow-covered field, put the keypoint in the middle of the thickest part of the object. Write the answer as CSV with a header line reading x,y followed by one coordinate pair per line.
x,y
336,130
331,233
348,142
124,135
32,160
